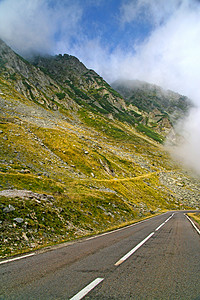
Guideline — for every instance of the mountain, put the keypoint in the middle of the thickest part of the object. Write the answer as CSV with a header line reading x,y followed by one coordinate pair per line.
x,y
85,86
159,109
76,157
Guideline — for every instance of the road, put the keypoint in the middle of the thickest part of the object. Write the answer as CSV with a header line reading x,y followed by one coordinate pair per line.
x,y
155,259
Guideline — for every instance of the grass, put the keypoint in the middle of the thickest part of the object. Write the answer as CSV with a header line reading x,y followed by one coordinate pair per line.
x,y
150,133
195,216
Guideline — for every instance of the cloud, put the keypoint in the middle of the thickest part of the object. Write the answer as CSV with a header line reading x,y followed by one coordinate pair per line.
x,y
187,151
170,56
154,11
31,27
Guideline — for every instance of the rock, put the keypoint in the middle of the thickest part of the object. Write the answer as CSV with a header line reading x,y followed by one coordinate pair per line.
x,y
107,190
8,208
24,236
18,220
38,201
24,171
109,214
101,207
25,194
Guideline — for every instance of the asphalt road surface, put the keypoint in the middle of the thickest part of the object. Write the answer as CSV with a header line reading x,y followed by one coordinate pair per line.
x,y
155,259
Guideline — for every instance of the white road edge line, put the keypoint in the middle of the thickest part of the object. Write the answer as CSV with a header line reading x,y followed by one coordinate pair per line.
x,y
193,224
133,250
16,258
87,289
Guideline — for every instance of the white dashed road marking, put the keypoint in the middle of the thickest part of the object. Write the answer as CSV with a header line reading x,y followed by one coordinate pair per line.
x,y
119,262
87,289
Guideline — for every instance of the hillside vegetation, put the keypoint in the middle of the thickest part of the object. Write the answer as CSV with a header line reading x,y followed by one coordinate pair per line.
x,y
74,160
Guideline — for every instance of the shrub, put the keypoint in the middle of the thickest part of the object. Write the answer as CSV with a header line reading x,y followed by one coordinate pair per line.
x,y
60,95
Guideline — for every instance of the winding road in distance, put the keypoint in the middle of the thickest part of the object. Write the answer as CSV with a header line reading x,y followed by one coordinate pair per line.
x,y
158,258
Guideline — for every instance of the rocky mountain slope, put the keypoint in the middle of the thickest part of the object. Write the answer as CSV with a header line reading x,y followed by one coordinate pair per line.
x,y
160,109
73,161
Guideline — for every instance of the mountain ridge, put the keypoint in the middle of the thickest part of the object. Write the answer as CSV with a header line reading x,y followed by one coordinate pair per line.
x,y
160,108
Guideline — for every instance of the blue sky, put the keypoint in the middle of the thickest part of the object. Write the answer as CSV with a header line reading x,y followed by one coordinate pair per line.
x,y
69,23
102,19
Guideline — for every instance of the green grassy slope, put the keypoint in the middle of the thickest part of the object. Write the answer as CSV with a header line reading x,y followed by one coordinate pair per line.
x,y
72,171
